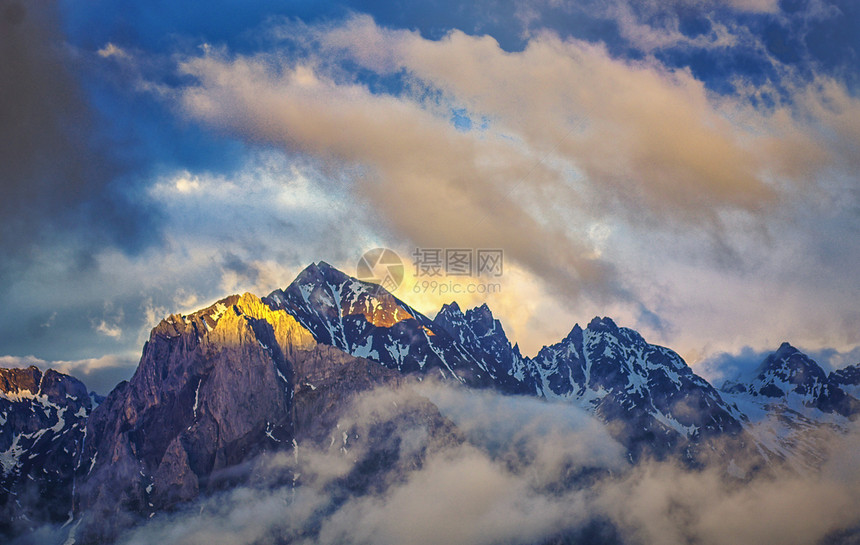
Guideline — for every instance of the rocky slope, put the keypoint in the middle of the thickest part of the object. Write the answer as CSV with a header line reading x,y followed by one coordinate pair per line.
x,y
481,335
213,390
848,379
42,430
654,397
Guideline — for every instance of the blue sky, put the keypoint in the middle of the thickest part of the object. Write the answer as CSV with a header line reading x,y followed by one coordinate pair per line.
x,y
686,167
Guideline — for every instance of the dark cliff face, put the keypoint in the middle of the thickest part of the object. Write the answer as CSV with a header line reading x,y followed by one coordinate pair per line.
x,y
847,376
325,379
42,422
14,381
214,390
847,380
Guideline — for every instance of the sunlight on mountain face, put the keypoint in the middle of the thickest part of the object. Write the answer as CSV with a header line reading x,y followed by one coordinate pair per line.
x,y
381,310
231,322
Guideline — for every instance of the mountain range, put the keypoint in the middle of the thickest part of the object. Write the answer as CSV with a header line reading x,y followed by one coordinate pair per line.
x,y
249,377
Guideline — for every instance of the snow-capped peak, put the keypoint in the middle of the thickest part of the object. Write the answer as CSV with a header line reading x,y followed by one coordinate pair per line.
x,y
787,371
791,379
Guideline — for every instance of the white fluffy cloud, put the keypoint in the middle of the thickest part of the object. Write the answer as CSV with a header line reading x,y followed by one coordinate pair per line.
x,y
707,201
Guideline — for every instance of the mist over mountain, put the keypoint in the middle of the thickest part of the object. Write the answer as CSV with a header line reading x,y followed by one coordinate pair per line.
x,y
331,411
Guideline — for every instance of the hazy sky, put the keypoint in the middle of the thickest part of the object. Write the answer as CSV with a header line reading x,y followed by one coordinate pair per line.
x,y
687,167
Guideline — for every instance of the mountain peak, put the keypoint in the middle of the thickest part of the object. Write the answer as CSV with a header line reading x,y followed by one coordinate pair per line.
x,y
341,310
575,333
787,357
30,382
602,324
481,315
788,372
786,350
15,381
848,375
451,308
319,271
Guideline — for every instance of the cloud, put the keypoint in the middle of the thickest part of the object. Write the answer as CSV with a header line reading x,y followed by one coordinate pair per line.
x,y
652,502
636,130
241,516
458,497
551,436
430,183
111,330
59,181
633,135
831,359
663,504
669,143
691,184
497,487
719,368
436,488
250,230
754,6
659,502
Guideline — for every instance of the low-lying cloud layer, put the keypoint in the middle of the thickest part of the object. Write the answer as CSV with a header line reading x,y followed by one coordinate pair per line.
x,y
548,471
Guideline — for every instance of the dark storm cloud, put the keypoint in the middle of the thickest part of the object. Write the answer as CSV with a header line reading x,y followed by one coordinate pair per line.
x,y
58,176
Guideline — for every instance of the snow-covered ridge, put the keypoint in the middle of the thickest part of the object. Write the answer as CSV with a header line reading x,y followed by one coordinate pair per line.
x,y
789,400
600,367
43,420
